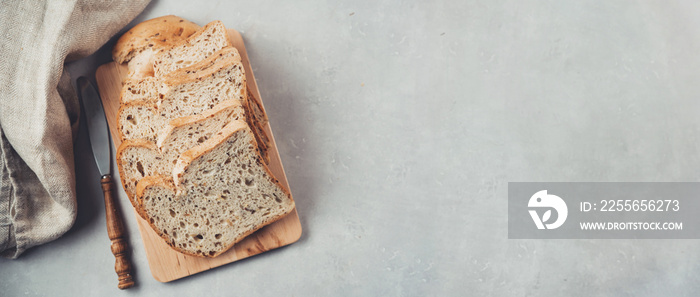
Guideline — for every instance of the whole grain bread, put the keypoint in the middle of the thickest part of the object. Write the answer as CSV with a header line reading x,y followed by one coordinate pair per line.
x,y
183,94
140,89
221,191
149,88
198,128
200,45
194,139
138,158
138,120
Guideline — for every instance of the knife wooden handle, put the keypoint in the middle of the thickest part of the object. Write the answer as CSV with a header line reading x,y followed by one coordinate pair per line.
x,y
115,230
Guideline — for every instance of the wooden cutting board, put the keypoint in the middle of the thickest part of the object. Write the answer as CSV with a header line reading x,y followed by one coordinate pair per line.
x,y
167,264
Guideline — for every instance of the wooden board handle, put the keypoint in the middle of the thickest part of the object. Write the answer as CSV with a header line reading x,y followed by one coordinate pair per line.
x,y
115,230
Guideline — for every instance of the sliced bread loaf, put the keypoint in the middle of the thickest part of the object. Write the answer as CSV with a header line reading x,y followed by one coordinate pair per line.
x,y
221,192
183,95
138,158
200,45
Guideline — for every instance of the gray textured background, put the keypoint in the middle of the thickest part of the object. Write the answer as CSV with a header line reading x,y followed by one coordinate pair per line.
x,y
401,123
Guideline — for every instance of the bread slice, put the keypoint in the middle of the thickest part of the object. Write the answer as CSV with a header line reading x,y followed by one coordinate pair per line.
x,y
138,158
161,32
183,94
202,44
149,88
220,193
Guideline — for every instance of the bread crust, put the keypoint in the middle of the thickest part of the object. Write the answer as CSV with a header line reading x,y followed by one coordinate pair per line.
x,y
163,32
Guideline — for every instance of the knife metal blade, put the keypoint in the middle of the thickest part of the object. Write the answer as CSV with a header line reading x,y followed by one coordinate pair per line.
x,y
97,126
98,132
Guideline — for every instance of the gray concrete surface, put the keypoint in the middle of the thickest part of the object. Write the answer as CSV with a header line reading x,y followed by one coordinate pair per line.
x,y
400,124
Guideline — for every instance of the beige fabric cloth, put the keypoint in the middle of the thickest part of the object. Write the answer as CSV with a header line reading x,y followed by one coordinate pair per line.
x,y
39,110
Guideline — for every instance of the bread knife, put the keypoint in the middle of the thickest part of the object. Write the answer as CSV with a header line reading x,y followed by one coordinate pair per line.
x,y
102,150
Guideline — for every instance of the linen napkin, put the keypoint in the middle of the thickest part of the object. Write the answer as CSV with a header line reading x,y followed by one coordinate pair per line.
x,y
39,110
